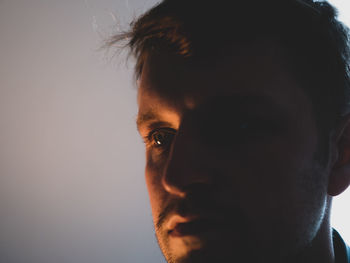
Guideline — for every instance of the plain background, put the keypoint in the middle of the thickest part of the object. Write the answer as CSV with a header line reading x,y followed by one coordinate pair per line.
x,y
71,162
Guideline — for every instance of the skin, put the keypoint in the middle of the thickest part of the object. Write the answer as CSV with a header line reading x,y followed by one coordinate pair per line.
x,y
233,142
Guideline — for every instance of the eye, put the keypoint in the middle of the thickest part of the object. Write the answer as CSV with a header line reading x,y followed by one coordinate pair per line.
x,y
161,137
250,125
252,128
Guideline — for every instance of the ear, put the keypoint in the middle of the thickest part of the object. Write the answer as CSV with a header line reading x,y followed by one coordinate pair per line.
x,y
339,178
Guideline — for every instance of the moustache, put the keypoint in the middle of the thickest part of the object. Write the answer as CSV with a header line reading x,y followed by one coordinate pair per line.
x,y
202,204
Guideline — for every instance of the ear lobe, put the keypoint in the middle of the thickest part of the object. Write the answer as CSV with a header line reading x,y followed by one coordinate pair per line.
x,y
339,178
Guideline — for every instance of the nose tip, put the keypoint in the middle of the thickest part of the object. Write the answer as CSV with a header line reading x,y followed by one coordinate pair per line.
x,y
189,161
173,189
186,169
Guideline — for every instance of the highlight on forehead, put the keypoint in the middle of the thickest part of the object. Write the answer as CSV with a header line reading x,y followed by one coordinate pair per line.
x,y
149,116
166,77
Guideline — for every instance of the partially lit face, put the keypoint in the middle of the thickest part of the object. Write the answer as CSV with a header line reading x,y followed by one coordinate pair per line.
x,y
230,149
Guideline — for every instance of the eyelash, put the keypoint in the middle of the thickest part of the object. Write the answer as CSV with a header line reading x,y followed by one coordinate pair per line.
x,y
149,139
246,129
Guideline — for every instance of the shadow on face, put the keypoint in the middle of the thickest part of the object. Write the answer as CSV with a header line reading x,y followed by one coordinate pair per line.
x,y
230,164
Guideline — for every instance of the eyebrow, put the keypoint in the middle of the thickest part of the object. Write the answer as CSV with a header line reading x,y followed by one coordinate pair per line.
x,y
147,117
151,116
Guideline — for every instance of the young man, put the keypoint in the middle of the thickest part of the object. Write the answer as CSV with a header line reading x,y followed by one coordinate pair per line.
x,y
243,106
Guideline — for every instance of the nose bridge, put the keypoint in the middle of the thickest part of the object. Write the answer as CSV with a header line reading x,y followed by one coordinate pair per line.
x,y
188,161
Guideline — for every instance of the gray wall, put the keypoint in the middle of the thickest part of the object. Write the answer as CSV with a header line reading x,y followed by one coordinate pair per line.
x,y
71,162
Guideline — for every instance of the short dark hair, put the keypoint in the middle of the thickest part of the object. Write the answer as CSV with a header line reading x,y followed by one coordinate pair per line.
x,y
315,41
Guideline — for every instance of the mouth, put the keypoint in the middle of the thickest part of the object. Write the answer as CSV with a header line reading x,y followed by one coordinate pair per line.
x,y
180,227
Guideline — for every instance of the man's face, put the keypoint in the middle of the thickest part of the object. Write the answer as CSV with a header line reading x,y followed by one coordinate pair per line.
x,y
230,165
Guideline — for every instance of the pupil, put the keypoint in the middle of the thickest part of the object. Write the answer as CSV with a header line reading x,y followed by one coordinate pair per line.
x,y
158,138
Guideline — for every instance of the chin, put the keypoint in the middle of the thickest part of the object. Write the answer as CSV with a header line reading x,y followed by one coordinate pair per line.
x,y
196,250
207,256
198,256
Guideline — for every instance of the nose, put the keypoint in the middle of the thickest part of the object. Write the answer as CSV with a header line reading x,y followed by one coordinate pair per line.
x,y
188,164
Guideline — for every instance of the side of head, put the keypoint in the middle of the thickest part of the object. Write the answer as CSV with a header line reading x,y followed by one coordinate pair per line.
x,y
315,43
243,108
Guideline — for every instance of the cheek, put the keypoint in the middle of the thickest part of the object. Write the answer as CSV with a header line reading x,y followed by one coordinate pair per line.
x,y
276,185
270,174
153,173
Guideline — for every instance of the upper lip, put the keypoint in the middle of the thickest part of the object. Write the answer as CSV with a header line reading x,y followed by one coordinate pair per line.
x,y
176,219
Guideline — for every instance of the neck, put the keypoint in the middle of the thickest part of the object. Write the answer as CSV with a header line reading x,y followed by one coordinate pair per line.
x,y
321,248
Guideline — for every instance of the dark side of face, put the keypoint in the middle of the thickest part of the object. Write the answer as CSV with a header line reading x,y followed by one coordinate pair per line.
x,y
230,158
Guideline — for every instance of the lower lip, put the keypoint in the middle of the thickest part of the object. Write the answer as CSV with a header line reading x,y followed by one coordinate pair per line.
x,y
193,228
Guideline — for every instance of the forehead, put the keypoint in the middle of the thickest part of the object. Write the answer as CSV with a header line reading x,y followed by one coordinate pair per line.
x,y
168,81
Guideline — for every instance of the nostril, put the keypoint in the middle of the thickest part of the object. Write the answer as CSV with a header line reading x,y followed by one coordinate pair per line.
x,y
172,187
198,198
187,181
198,190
